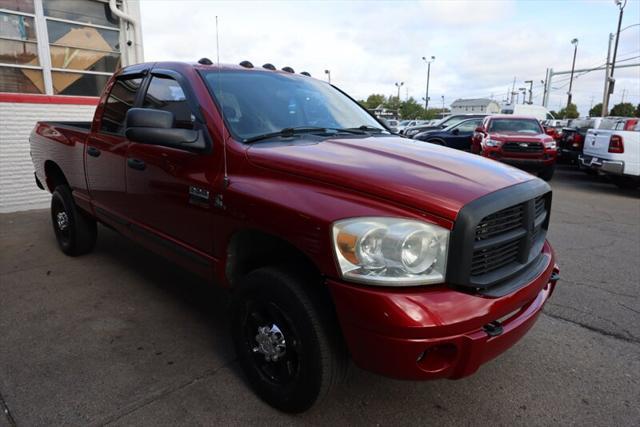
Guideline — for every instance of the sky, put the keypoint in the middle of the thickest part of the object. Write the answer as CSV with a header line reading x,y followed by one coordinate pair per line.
x,y
480,46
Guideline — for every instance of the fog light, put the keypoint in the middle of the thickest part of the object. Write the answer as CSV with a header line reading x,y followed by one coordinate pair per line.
x,y
437,358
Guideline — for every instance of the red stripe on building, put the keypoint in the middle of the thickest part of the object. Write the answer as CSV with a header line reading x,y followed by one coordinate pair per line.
x,y
27,98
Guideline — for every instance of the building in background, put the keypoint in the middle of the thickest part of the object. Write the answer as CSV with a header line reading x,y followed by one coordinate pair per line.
x,y
55,58
475,106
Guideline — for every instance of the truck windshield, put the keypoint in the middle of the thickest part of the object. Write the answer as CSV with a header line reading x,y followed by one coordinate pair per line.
x,y
515,125
258,103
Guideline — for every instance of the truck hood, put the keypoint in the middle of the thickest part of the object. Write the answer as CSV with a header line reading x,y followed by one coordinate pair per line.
x,y
520,137
432,178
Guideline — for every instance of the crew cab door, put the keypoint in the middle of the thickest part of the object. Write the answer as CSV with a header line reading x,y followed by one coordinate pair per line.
x,y
106,150
168,189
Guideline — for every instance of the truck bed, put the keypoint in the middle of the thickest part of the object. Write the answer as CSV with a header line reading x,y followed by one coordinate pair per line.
x,y
62,144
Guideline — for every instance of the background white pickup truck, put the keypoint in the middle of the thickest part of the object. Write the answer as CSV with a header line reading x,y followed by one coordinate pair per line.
x,y
614,149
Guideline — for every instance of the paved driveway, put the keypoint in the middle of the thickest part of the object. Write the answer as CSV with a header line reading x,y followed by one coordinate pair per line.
x,y
122,337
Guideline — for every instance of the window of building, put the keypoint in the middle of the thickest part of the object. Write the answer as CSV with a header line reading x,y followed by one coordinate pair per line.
x,y
58,47
166,94
120,100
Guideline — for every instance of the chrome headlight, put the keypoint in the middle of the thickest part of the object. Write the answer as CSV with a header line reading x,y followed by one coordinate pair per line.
x,y
391,251
550,145
491,142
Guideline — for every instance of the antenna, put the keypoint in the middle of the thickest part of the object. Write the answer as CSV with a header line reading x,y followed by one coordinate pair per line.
x,y
224,134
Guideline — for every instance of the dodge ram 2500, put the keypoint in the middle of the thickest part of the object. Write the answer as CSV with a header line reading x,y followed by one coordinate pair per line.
x,y
336,238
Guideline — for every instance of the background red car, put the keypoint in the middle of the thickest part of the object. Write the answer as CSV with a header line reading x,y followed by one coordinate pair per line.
x,y
519,141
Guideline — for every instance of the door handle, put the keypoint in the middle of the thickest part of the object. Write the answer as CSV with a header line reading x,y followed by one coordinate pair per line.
x,y
93,152
136,164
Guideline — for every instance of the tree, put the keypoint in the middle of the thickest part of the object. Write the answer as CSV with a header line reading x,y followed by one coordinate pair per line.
x,y
638,111
623,110
374,100
596,110
410,109
570,112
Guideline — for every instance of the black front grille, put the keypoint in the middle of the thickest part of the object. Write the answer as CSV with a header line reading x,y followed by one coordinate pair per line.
x,y
487,260
497,239
522,147
501,237
500,222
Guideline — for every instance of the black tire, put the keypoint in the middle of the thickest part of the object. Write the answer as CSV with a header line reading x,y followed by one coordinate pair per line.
x,y
547,173
313,359
75,231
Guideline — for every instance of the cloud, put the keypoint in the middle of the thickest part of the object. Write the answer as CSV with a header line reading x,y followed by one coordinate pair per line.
x,y
480,46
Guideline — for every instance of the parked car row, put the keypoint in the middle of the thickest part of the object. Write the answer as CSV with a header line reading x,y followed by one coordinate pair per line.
x,y
596,145
517,140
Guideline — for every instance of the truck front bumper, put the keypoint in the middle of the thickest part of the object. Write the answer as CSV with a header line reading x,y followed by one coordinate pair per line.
x,y
614,167
436,332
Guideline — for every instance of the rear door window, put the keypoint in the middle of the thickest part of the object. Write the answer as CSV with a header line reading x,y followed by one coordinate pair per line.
x,y
120,100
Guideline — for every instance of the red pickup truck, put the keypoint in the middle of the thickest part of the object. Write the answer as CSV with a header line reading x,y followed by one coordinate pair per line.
x,y
518,141
337,238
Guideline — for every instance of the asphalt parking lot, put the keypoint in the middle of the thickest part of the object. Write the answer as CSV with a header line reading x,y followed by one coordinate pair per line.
x,y
122,337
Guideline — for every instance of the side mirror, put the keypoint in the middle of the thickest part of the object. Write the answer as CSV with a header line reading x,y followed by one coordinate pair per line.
x,y
156,127
455,131
550,131
480,130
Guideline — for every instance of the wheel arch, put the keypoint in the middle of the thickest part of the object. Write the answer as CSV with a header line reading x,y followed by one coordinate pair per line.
x,y
54,175
251,249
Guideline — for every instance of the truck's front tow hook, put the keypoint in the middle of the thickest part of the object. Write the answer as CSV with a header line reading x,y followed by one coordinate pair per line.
x,y
493,329
555,276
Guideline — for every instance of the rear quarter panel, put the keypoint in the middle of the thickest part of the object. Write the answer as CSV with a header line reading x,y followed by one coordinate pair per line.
x,y
64,146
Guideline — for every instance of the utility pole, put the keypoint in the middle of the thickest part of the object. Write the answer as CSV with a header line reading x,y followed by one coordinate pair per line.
x,y
610,80
607,80
524,94
442,105
547,87
513,90
623,92
426,96
328,73
573,67
530,90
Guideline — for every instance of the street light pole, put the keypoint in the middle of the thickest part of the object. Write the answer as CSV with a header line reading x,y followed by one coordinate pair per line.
x,y
328,73
573,67
426,97
530,90
399,85
442,105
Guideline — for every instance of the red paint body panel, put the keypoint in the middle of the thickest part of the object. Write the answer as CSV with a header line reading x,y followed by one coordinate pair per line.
x,y
388,329
296,192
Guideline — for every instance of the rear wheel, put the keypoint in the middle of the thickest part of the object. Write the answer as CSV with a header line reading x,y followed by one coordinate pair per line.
x,y
75,231
286,339
547,172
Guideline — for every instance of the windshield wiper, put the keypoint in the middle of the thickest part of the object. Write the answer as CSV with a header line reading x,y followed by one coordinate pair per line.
x,y
366,128
289,132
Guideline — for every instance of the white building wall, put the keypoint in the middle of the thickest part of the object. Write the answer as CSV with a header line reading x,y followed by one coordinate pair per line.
x,y
18,190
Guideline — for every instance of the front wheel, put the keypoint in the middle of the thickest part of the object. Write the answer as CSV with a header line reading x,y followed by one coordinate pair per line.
x,y
75,231
286,338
